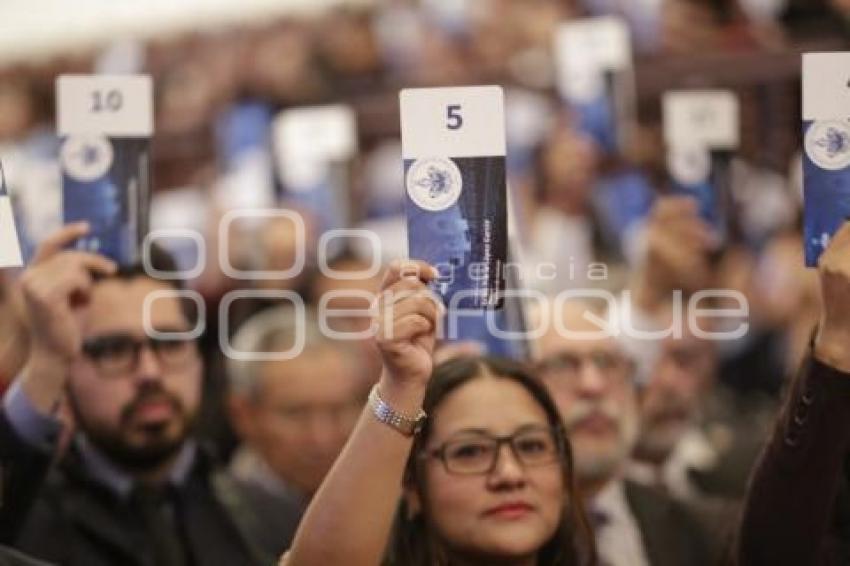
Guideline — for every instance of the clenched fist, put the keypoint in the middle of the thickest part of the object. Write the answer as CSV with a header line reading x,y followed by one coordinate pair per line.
x,y
407,317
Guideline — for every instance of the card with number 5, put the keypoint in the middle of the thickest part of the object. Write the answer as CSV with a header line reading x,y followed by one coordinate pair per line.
x,y
453,146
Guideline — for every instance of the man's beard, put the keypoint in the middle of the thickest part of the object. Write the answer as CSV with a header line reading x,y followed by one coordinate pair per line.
x,y
158,446
601,463
657,442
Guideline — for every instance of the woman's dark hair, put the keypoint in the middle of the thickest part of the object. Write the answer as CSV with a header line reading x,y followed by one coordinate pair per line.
x,y
413,541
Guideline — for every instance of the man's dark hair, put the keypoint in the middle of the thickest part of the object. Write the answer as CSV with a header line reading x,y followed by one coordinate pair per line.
x,y
161,261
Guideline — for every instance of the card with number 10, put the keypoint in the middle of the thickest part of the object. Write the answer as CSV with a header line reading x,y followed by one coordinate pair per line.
x,y
105,122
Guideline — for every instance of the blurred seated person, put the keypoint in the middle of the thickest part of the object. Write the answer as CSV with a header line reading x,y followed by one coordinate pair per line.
x,y
592,380
693,27
135,487
562,224
293,416
346,290
670,444
465,463
265,250
720,380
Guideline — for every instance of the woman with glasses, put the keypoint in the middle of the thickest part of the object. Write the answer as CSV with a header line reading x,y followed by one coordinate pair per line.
x,y
463,464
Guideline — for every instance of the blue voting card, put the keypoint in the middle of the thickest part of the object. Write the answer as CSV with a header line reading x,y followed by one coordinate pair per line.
x,y
105,181
594,70
826,149
467,238
706,181
701,131
453,148
826,181
105,122
502,332
312,148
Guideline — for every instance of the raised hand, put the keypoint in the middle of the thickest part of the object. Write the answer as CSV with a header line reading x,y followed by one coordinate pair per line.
x,y
407,317
832,344
53,287
677,246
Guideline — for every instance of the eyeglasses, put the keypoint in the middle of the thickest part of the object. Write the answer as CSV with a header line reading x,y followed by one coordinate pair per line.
x,y
568,365
478,453
119,354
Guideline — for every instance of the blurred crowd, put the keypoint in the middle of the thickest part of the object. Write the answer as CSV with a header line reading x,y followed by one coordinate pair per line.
x,y
703,408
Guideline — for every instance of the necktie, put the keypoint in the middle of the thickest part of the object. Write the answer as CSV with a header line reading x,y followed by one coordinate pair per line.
x,y
158,519
598,518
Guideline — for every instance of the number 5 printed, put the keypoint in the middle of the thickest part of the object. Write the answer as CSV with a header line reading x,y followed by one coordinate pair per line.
x,y
455,120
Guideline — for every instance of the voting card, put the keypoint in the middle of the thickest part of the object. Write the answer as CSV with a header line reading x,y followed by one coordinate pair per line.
x,y
701,130
453,148
595,78
10,247
105,122
312,147
826,149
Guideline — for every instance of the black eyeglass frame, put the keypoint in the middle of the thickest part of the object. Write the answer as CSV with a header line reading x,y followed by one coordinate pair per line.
x,y
96,348
557,433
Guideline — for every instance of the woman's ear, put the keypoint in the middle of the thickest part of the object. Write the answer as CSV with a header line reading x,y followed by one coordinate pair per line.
x,y
412,503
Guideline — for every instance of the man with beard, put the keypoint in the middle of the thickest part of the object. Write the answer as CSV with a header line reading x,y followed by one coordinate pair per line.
x,y
670,444
133,487
592,381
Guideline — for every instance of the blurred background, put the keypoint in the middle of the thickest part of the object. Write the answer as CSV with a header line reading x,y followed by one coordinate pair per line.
x,y
583,175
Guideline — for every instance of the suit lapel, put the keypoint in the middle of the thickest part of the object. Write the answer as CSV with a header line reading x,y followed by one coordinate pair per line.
x,y
652,519
104,521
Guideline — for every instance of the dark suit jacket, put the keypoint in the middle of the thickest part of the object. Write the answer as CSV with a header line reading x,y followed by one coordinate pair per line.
x,y
22,472
72,520
796,510
271,518
671,536
9,557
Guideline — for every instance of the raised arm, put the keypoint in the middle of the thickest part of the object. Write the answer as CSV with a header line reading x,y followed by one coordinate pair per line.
x,y
794,487
51,287
349,520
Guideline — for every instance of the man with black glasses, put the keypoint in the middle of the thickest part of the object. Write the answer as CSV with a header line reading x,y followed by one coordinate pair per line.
x,y
133,488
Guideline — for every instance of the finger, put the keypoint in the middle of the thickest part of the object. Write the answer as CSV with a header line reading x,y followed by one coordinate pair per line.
x,y
694,233
410,268
839,240
402,289
95,263
674,206
425,303
48,290
406,328
59,240
69,282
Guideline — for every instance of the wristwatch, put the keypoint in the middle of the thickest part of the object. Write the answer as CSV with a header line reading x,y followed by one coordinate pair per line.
x,y
406,425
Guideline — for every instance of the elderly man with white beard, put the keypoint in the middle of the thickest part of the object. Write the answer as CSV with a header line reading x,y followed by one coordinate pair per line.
x,y
671,442
591,378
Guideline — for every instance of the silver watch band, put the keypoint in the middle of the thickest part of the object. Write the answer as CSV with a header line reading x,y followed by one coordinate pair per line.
x,y
406,425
